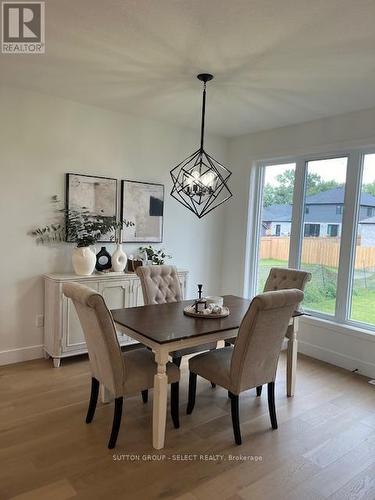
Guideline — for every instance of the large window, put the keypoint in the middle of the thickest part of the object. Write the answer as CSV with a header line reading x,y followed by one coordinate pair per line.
x,y
363,292
318,214
276,219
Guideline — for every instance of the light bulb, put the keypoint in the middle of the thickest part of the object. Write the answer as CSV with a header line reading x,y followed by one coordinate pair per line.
x,y
208,179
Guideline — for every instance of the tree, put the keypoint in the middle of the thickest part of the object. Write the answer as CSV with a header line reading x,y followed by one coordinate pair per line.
x,y
369,188
282,194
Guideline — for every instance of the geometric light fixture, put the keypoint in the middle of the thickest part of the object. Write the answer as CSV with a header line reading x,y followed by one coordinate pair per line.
x,y
200,181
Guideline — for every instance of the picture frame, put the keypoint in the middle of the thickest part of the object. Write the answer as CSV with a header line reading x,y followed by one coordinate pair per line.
x,y
94,193
143,204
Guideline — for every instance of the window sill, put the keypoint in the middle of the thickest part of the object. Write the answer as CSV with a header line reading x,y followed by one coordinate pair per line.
x,y
344,329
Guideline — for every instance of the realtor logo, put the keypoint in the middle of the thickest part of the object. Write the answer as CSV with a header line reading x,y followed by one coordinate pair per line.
x,y
23,29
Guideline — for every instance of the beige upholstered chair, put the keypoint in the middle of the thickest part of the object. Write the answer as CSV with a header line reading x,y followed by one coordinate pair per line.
x,y
160,285
121,373
252,361
280,278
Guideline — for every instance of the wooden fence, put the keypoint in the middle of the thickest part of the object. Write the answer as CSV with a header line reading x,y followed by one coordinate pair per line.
x,y
323,251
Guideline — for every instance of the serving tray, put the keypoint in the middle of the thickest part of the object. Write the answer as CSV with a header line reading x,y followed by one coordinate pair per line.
x,y
190,311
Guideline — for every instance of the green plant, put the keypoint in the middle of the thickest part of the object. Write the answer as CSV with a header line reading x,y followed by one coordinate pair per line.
x,y
156,256
78,226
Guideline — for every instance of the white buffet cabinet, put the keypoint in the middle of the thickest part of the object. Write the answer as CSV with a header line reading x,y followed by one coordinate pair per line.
x,y
63,335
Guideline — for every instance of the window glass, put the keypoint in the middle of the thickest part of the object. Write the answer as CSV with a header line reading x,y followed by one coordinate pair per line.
x,y
276,219
363,291
324,197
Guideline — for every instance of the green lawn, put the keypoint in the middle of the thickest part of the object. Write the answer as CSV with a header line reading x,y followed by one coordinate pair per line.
x,y
321,291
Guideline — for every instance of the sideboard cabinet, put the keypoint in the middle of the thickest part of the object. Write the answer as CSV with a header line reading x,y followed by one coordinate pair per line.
x,y
63,335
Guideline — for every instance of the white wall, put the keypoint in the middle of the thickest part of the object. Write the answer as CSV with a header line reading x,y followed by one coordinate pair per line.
x,y
329,134
42,138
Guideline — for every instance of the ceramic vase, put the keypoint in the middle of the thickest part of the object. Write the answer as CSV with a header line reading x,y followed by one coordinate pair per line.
x,y
119,259
103,260
83,260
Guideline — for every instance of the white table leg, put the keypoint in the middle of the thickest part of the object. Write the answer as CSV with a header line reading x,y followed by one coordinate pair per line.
x,y
160,400
105,394
291,359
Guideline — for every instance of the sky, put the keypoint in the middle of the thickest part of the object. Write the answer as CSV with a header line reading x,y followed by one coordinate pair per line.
x,y
330,169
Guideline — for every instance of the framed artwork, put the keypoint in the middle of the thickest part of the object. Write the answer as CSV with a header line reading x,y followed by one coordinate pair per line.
x,y
143,204
97,195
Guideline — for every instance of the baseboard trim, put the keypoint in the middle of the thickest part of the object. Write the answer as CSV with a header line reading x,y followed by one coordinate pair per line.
x,y
21,354
338,359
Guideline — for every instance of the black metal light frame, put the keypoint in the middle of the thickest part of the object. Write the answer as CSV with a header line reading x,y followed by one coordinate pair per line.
x,y
200,181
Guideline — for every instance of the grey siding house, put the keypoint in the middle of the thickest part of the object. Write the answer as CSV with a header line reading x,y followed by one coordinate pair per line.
x,y
323,217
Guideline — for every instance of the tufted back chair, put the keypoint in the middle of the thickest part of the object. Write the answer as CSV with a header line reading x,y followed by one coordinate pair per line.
x,y
260,337
160,284
285,279
106,360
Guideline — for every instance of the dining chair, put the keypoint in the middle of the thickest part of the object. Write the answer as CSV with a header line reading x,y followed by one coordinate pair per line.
x,y
121,373
253,360
160,285
280,278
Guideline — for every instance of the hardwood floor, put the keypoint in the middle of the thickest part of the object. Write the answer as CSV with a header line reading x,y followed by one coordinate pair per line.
x,y
324,447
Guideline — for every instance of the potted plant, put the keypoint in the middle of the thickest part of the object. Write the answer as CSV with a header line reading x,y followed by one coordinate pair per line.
x,y
156,257
82,228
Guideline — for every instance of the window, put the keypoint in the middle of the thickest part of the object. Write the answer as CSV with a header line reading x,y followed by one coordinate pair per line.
x,y
312,230
363,289
332,230
325,182
329,231
277,190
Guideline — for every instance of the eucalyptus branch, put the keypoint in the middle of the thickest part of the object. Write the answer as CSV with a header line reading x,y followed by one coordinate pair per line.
x,y
78,226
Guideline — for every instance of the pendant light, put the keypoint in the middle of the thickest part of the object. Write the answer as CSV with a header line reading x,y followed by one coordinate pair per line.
x,y
200,181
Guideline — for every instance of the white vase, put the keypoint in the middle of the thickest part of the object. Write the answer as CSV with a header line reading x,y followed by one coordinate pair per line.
x,y
119,259
84,260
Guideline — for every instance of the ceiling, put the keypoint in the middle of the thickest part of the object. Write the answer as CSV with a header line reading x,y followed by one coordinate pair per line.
x,y
276,62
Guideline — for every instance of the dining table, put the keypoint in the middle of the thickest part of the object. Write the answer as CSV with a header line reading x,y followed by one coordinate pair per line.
x,y
164,328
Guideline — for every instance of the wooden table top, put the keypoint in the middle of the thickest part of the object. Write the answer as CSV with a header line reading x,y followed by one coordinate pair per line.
x,y
164,323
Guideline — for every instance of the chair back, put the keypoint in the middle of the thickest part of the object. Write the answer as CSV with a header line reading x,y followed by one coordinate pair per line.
x,y
106,359
281,278
160,284
260,338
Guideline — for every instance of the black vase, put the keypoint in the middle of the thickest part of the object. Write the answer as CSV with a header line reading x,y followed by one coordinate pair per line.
x,y
103,260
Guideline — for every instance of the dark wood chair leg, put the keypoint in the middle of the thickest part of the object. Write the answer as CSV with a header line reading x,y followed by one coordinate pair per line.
x,y
175,390
177,360
213,385
93,400
230,395
144,395
116,423
234,400
192,391
259,390
271,404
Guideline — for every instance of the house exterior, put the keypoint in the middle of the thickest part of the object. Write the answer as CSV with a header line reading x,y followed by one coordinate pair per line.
x,y
323,217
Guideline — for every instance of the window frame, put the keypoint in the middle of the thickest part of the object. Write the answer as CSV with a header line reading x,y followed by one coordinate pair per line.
x,y
349,226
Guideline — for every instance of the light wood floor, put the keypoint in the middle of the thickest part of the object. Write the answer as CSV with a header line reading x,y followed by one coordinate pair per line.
x,y
324,447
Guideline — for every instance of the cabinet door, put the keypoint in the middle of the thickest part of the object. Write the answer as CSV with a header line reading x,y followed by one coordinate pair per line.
x,y
73,338
117,295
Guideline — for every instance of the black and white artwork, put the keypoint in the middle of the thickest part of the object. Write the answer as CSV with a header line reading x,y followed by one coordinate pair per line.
x,y
142,204
96,195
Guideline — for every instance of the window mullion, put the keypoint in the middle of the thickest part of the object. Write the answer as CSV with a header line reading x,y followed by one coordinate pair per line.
x,y
296,231
348,236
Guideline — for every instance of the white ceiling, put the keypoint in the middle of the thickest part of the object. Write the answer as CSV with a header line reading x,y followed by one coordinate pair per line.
x,y
276,62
